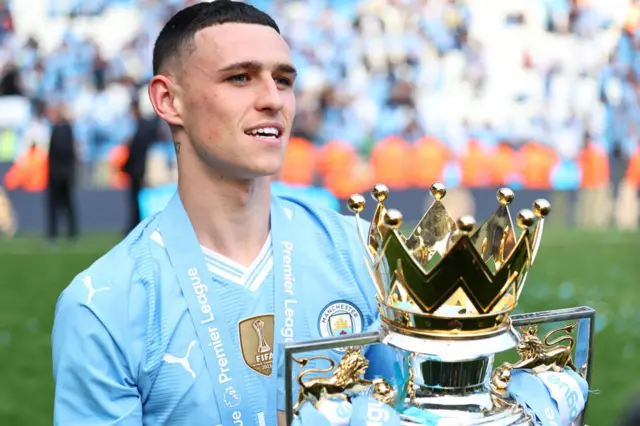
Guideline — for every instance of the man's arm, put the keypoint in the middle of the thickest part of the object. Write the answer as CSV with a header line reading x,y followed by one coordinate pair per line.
x,y
94,385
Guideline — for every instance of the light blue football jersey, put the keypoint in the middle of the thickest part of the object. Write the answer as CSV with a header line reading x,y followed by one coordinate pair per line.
x,y
126,345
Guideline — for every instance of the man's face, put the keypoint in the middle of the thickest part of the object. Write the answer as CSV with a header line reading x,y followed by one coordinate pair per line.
x,y
236,100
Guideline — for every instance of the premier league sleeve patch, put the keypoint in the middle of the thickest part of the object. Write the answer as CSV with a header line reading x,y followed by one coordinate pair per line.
x,y
340,318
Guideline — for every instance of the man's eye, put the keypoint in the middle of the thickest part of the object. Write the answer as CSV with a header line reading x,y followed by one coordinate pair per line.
x,y
241,78
286,82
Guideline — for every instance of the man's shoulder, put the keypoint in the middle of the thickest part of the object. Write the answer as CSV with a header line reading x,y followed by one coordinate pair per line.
x,y
115,271
331,235
323,216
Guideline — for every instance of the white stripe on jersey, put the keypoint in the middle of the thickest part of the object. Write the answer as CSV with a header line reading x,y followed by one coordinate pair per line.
x,y
261,421
251,277
255,284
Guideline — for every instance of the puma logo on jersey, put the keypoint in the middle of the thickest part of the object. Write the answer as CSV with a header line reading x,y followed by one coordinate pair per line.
x,y
155,236
88,283
184,361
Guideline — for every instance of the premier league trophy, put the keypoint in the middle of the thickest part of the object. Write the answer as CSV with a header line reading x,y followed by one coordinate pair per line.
x,y
445,295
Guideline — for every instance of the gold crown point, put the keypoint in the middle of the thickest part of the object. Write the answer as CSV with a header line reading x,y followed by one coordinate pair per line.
x,y
380,192
438,191
525,218
541,208
466,224
393,218
356,203
505,196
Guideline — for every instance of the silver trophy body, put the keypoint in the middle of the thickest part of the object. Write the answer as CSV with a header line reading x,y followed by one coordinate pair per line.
x,y
452,379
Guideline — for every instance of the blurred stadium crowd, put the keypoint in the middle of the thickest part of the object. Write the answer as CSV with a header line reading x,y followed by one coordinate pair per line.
x,y
530,93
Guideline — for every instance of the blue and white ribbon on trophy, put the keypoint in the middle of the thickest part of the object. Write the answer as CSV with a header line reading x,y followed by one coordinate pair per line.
x,y
363,411
555,399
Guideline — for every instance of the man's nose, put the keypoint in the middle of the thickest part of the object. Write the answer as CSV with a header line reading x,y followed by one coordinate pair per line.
x,y
269,97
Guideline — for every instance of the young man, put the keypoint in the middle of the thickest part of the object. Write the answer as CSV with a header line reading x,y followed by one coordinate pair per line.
x,y
182,322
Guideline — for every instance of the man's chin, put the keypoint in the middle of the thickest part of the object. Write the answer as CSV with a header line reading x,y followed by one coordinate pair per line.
x,y
248,170
268,172
269,169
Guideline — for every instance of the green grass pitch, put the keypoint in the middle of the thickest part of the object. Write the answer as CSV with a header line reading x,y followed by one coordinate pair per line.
x,y
598,269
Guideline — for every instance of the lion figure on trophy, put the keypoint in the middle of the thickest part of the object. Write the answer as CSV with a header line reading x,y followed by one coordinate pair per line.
x,y
345,382
539,355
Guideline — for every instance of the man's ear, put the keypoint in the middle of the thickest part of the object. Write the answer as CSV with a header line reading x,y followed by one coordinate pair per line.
x,y
162,93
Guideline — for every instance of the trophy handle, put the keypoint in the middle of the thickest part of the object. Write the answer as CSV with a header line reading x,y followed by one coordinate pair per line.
x,y
290,349
584,315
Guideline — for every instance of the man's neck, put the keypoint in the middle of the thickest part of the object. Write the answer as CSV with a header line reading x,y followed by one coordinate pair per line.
x,y
230,217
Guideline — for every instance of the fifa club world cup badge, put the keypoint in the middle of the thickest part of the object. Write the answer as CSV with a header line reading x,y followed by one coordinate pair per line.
x,y
256,341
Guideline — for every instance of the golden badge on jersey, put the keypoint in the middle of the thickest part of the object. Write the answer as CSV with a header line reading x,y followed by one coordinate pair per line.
x,y
256,341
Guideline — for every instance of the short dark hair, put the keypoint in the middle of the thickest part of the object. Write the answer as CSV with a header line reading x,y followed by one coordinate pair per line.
x,y
178,34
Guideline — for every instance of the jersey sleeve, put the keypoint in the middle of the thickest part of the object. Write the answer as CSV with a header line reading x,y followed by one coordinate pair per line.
x,y
94,384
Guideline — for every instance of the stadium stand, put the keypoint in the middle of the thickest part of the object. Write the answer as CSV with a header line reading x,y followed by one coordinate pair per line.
x,y
530,93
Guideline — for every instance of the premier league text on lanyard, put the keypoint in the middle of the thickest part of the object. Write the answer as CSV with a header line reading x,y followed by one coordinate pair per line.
x,y
282,233
222,354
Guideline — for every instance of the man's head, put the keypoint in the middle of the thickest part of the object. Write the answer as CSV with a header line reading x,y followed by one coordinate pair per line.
x,y
224,82
58,113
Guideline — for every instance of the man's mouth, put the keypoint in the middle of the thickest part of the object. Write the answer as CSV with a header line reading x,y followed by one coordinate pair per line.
x,y
266,133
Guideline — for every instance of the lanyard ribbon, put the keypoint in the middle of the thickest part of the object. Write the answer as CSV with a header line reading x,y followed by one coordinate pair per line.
x,y
215,325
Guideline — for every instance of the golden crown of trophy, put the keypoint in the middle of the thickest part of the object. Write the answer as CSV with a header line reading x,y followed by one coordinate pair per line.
x,y
446,294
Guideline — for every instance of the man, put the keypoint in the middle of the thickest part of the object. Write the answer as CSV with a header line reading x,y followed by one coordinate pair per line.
x,y
62,163
145,135
182,323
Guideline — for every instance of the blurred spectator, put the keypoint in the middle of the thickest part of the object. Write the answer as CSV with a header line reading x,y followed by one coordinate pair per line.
x,y
10,81
145,135
62,170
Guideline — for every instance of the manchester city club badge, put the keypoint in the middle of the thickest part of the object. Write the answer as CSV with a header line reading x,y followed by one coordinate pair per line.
x,y
340,318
